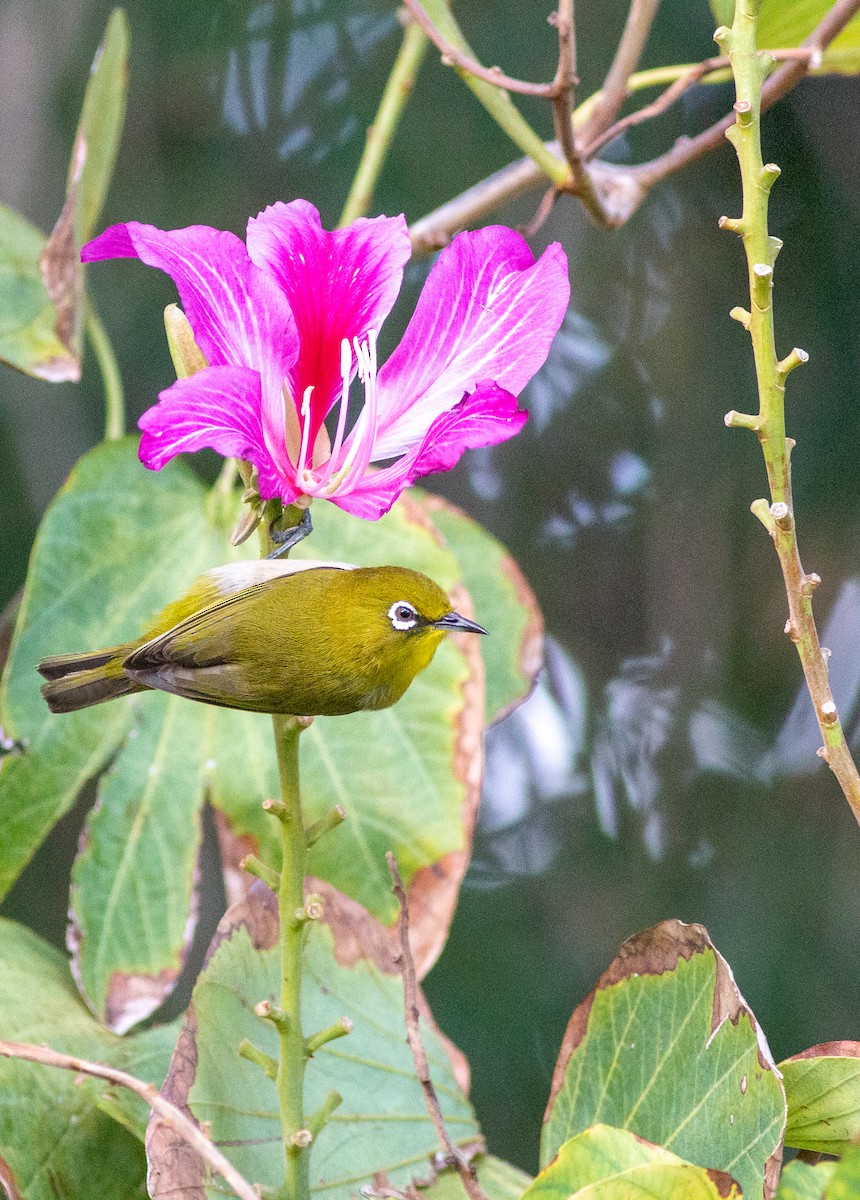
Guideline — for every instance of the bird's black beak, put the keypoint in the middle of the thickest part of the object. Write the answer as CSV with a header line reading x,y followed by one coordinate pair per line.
x,y
452,622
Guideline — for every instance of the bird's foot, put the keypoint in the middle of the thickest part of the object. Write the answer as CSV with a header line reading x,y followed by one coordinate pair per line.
x,y
285,539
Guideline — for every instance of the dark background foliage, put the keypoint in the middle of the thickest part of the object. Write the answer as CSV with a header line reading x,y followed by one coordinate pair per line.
x,y
661,769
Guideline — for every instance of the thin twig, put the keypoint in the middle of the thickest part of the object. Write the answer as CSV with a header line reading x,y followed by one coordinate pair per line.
x,y
565,82
168,1112
436,228
676,89
565,85
457,58
547,204
688,150
614,92
453,1156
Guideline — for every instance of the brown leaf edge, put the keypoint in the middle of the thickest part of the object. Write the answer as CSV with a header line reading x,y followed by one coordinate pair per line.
x,y
655,951
175,1171
7,1182
131,996
727,1187
840,1049
433,890
531,647
62,275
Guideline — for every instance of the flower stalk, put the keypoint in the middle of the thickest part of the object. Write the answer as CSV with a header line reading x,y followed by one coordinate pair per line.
x,y
111,377
750,67
379,136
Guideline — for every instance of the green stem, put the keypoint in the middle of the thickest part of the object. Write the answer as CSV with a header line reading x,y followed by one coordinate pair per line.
x,y
291,898
397,91
111,378
750,68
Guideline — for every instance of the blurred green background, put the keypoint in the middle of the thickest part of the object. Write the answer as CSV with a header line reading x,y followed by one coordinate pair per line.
x,y
663,767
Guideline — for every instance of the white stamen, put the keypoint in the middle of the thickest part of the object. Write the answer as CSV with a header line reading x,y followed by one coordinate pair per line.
x,y
306,433
345,372
364,431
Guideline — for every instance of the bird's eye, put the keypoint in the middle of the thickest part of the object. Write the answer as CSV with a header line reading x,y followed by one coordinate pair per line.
x,y
402,615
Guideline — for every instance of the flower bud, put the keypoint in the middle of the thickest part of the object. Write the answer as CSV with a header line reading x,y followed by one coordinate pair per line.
x,y
186,354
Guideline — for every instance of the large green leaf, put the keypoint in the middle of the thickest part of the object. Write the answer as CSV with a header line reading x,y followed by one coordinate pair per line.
x,y
666,1047
54,1134
804,1181
784,24
822,1088
603,1163
132,881
503,602
117,544
844,1182
28,333
408,777
382,1124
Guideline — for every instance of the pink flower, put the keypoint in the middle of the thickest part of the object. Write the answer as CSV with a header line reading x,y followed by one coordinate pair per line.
x,y
286,320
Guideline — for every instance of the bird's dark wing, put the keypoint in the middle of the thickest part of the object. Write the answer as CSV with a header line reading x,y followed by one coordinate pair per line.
x,y
205,639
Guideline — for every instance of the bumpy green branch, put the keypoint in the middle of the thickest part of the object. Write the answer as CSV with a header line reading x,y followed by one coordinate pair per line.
x,y
288,1019
750,68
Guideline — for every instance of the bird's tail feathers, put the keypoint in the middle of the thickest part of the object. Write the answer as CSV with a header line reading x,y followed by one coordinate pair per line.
x,y
80,680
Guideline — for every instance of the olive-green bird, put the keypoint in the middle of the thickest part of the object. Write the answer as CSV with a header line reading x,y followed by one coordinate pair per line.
x,y
303,638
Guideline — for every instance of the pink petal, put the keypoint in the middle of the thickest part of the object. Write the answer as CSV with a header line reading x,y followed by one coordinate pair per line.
x,y
339,285
238,314
488,416
217,407
487,311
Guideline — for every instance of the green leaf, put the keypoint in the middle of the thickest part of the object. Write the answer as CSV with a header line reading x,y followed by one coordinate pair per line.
x,y
503,602
100,125
499,1180
54,1136
603,1163
784,24
822,1088
431,738
132,880
666,1047
28,334
382,1124
844,1183
803,1181
119,543
116,545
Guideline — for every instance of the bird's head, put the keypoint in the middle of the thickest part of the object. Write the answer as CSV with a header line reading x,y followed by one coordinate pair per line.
x,y
403,617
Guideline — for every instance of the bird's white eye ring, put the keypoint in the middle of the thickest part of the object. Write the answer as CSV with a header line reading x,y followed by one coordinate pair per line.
x,y
402,615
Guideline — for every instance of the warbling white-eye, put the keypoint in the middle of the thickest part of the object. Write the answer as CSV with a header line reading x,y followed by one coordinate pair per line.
x,y
303,638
